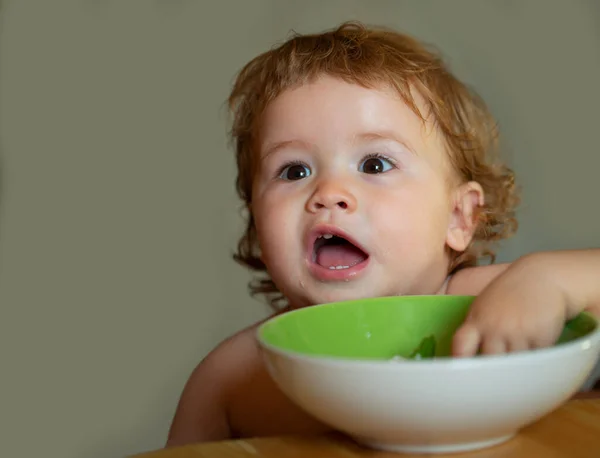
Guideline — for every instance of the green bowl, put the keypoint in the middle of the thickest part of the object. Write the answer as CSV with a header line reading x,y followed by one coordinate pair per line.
x,y
336,362
381,328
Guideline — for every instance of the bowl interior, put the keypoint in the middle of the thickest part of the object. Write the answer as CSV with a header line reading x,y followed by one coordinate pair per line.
x,y
381,328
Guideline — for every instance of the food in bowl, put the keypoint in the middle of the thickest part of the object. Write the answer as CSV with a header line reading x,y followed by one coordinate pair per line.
x,y
426,349
380,371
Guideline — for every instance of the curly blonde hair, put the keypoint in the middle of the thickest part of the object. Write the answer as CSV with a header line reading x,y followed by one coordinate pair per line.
x,y
371,57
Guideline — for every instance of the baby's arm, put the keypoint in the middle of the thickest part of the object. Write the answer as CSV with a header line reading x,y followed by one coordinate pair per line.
x,y
527,304
205,411
471,281
201,413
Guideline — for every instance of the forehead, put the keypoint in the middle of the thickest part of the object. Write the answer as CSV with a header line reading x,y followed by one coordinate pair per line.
x,y
329,111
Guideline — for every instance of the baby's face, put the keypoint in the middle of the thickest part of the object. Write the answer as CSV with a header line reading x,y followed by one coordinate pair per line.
x,y
352,196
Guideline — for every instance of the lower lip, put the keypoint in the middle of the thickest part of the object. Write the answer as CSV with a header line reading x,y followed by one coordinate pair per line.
x,y
325,274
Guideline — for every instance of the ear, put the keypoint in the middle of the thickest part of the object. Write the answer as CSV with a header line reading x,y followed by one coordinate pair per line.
x,y
467,200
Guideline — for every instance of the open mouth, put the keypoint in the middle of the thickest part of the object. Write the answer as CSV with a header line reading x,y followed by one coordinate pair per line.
x,y
334,252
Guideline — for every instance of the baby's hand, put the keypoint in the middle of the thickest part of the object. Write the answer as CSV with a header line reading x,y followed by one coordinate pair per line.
x,y
524,308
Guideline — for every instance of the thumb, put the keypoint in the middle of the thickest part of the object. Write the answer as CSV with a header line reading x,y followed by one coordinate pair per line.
x,y
466,341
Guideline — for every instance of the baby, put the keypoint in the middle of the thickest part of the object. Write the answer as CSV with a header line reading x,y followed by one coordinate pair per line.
x,y
367,169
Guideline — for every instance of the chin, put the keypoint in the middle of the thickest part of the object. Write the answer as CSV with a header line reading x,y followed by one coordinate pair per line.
x,y
341,296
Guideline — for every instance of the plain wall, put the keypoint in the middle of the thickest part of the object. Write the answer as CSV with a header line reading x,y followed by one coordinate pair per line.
x,y
118,215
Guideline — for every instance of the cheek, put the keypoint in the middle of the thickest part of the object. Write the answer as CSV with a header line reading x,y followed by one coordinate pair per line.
x,y
419,212
275,223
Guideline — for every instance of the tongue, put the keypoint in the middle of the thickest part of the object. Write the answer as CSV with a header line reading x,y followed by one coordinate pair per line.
x,y
346,255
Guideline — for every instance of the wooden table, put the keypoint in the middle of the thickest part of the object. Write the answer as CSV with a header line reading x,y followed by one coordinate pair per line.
x,y
571,431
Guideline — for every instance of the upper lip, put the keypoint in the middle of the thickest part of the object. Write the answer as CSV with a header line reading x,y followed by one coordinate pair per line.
x,y
322,229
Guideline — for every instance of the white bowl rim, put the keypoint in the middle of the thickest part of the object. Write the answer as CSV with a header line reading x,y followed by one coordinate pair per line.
x,y
588,342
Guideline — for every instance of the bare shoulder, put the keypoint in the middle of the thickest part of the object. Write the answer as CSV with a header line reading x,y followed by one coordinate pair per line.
x,y
472,280
231,395
201,413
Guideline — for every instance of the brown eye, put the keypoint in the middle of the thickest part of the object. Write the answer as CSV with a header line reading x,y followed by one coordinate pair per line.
x,y
374,165
294,172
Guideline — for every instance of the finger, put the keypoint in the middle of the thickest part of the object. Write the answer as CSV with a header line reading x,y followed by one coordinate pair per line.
x,y
517,344
493,346
594,310
541,341
546,337
466,341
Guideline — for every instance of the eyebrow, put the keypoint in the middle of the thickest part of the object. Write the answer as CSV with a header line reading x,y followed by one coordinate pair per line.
x,y
384,135
272,148
362,137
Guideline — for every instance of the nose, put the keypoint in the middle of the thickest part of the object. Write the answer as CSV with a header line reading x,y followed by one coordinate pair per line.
x,y
332,195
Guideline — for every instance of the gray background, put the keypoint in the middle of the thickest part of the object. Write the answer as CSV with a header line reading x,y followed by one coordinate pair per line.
x,y
117,207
